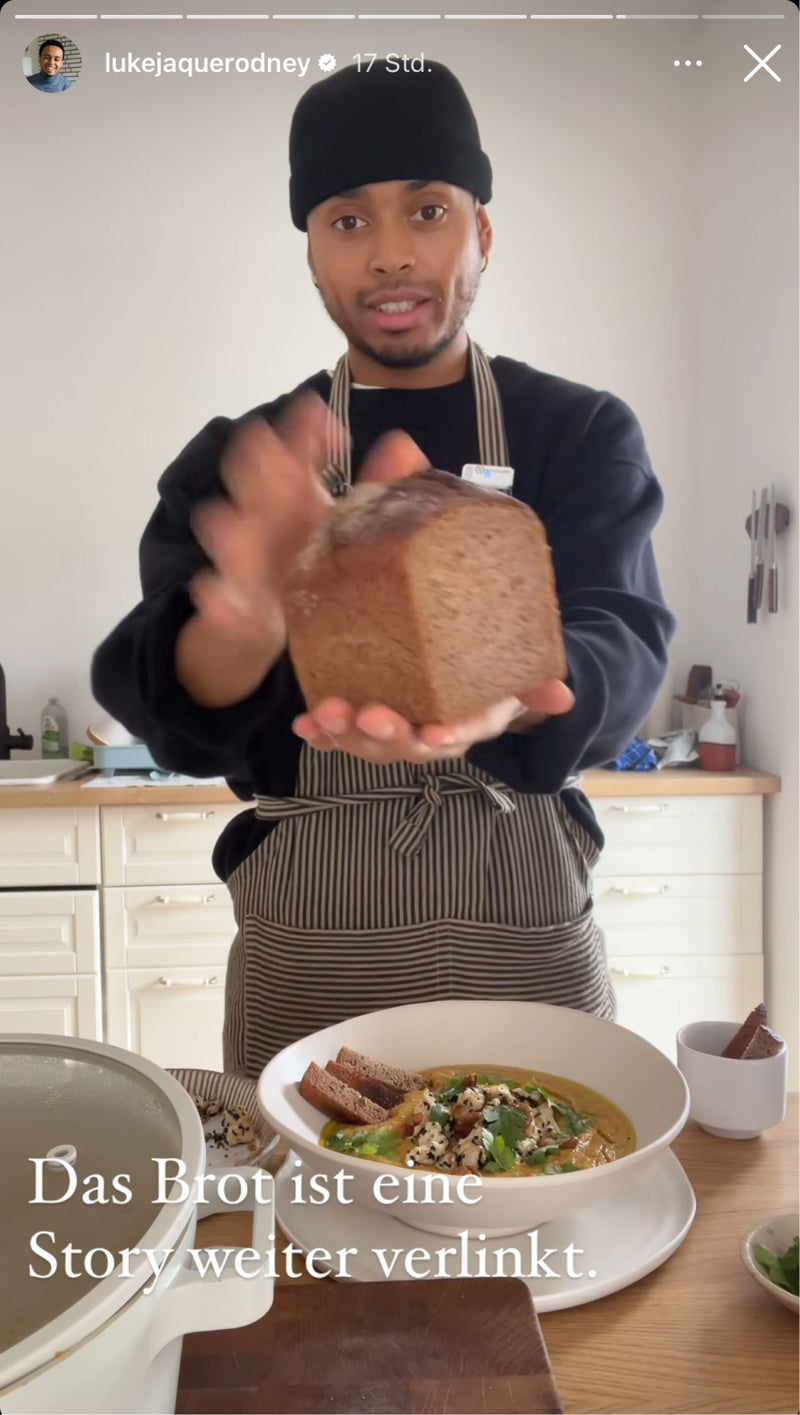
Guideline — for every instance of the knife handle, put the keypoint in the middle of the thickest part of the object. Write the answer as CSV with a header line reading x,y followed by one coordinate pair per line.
x,y
752,616
759,583
772,590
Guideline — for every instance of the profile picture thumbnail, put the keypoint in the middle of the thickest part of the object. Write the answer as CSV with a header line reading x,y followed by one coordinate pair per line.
x,y
51,63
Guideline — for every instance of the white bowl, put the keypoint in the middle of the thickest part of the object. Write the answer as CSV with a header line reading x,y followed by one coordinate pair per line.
x,y
622,1066
105,732
778,1234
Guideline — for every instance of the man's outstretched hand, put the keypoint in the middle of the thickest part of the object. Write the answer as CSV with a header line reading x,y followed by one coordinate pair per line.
x,y
377,734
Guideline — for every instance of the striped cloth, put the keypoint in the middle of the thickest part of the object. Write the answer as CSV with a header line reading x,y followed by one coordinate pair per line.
x,y
385,885
381,886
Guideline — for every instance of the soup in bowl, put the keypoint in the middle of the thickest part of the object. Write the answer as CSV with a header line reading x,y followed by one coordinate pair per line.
x,y
601,1105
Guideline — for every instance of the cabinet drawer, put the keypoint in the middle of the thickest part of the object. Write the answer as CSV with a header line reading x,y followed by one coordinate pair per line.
x,y
49,932
161,844
680,914
680,835
658,995
174,1018
61,1007
49,846
169,926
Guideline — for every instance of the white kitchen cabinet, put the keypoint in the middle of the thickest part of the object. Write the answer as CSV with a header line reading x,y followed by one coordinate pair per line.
x,y
49,932
658,995
141,960
173,1016
678,893
680,835
680,914
63,1007
161,844
167,926
49,846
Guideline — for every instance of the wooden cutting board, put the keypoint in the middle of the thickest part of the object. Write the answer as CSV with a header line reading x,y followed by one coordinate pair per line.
x,y
440,1346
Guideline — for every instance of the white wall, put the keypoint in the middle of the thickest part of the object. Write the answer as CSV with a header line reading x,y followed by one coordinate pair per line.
x,y
748,437
152,279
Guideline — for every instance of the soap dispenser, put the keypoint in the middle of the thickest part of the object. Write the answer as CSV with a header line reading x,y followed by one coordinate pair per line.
x,y
55,735
717,738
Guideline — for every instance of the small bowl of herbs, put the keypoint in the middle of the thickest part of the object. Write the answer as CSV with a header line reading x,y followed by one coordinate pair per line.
x,y
770,1254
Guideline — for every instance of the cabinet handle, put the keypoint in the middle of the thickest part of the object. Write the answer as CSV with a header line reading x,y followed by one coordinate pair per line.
x,y
185,815
186,982
652,892
658,809
631,973
165,901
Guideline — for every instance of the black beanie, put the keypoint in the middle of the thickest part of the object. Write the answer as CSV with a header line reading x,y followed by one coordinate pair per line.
x,y
377,126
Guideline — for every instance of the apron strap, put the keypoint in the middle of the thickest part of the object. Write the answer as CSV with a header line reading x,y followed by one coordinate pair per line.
x,y
409,836
493,447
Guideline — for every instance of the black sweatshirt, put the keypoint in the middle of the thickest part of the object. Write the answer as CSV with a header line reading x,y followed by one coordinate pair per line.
x,y
580,462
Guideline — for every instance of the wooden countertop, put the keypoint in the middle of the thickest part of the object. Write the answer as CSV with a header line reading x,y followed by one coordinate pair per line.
x,y
698,1333
675,781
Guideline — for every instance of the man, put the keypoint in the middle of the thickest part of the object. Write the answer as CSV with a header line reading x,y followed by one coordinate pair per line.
x,y
387,862
51,57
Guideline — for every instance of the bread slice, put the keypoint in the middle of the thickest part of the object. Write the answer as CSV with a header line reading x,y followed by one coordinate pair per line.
x,y
737,1044
338,1100
395,1076
762,1044
377,1091
432,596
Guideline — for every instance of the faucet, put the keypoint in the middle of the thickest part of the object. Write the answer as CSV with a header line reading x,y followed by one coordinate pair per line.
x,y
18,741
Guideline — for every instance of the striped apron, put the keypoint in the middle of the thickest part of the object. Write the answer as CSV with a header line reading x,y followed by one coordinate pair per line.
x,y
384,885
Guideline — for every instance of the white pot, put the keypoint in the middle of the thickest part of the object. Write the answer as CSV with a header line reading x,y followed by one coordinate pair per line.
x,y
117,1347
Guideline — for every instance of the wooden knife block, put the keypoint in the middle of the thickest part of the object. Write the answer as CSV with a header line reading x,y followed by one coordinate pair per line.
x,y
440,1346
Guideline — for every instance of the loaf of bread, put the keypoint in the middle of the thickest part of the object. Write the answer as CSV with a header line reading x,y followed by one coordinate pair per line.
x,y
432,596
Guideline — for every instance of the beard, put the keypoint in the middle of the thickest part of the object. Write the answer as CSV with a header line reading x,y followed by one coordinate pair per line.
x,y
397,352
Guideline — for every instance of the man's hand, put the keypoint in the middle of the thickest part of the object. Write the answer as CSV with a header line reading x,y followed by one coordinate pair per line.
x,y
275,502
379,735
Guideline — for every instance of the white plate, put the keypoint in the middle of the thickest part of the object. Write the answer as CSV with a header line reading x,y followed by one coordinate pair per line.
x,y
229,1091
621,1240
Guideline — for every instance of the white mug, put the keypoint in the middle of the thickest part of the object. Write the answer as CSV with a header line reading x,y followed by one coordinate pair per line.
x,y
734,1099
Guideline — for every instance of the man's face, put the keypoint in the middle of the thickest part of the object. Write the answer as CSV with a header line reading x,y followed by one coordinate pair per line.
x,y
50,59
407,243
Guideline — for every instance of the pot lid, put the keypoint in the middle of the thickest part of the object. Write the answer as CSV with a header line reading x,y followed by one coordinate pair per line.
x,y
82,1126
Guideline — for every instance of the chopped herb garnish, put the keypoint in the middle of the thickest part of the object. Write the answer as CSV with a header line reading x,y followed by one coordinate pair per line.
x,y
539,1156
439,1115
503,1128
567,1168
571,1120
367,1143
501,1155
538,1092
491,1079
783,1271
453,1089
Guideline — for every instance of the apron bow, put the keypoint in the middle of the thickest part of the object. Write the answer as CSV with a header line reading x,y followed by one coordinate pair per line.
x,y
409,836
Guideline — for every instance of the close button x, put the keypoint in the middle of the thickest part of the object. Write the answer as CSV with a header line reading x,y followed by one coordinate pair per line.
x,y
762,63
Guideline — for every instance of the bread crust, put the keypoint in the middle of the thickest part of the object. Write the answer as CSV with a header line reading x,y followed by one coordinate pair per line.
x,y
404,1081
339,1101
378,1091
762,1044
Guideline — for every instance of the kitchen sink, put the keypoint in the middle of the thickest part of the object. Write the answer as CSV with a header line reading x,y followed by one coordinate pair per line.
x,y
38,772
